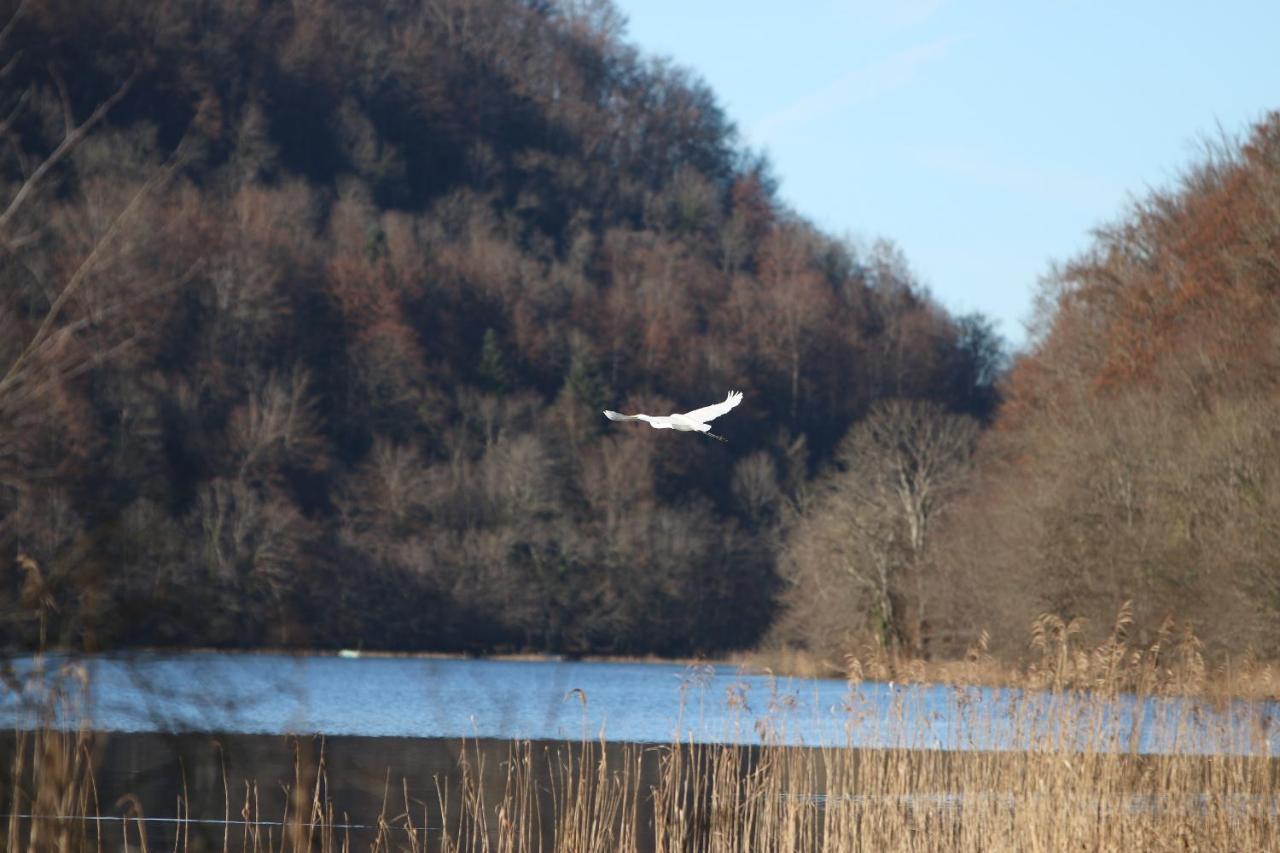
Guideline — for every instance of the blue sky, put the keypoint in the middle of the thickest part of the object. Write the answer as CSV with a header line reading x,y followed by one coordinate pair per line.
x,y
985,139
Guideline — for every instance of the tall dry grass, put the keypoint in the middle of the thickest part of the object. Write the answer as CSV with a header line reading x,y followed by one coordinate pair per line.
x,y
1173,662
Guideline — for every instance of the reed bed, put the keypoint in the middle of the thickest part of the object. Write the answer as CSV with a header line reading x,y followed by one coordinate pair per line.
x,y
682,797
1062,770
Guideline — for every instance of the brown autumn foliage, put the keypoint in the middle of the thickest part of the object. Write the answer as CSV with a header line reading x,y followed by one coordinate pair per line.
x,y
1137,453
308,313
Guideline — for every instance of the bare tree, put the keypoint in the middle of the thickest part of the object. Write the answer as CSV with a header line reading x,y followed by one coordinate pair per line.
x,y
898,469
253,542
755,486
276,426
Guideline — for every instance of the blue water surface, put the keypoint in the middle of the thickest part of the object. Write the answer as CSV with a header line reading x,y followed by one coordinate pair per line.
x,y
570,700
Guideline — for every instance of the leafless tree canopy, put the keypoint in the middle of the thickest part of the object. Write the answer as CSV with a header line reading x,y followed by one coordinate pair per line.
x,y
1136,453
860,554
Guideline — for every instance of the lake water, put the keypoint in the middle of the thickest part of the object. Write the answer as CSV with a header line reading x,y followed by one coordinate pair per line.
x,y
619,702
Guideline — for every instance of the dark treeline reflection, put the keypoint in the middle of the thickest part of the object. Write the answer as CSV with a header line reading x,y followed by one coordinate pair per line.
x,y
309,312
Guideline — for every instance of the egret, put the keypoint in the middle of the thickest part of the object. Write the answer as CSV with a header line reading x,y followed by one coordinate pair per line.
x,y
699,420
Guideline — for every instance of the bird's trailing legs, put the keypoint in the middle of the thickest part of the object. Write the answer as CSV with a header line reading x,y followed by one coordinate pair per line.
x,y
716,437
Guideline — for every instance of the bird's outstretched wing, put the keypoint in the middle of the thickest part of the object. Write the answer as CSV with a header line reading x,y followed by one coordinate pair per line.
x,y
710,413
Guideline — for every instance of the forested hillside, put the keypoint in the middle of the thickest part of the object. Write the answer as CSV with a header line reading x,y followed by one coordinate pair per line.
x,y
1138,452
308,311
1135,455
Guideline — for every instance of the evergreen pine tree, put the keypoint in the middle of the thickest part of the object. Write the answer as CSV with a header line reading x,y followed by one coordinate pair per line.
x,y
585,381
493,371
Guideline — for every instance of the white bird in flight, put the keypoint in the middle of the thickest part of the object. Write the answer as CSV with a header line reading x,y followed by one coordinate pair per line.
x,y
699,420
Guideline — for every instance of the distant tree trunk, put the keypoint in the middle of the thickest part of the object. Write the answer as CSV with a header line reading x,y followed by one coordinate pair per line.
x,y
795,383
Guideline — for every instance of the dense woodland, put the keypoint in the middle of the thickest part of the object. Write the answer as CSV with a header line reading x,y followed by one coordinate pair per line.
x,y
1135,454
308,311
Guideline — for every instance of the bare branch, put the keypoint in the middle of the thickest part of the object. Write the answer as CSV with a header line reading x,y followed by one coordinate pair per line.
x,y
97,358
18,153
13,115
68,143
63,332
68,115
79,276
10,65
8,28
22,240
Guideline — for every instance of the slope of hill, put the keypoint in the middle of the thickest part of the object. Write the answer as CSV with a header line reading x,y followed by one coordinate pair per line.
x,y
1137,454
310,309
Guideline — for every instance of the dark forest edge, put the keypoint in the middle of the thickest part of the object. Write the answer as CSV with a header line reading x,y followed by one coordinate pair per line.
x,y
307,321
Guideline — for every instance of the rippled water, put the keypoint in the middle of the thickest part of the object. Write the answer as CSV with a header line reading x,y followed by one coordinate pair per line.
x,y
636,702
